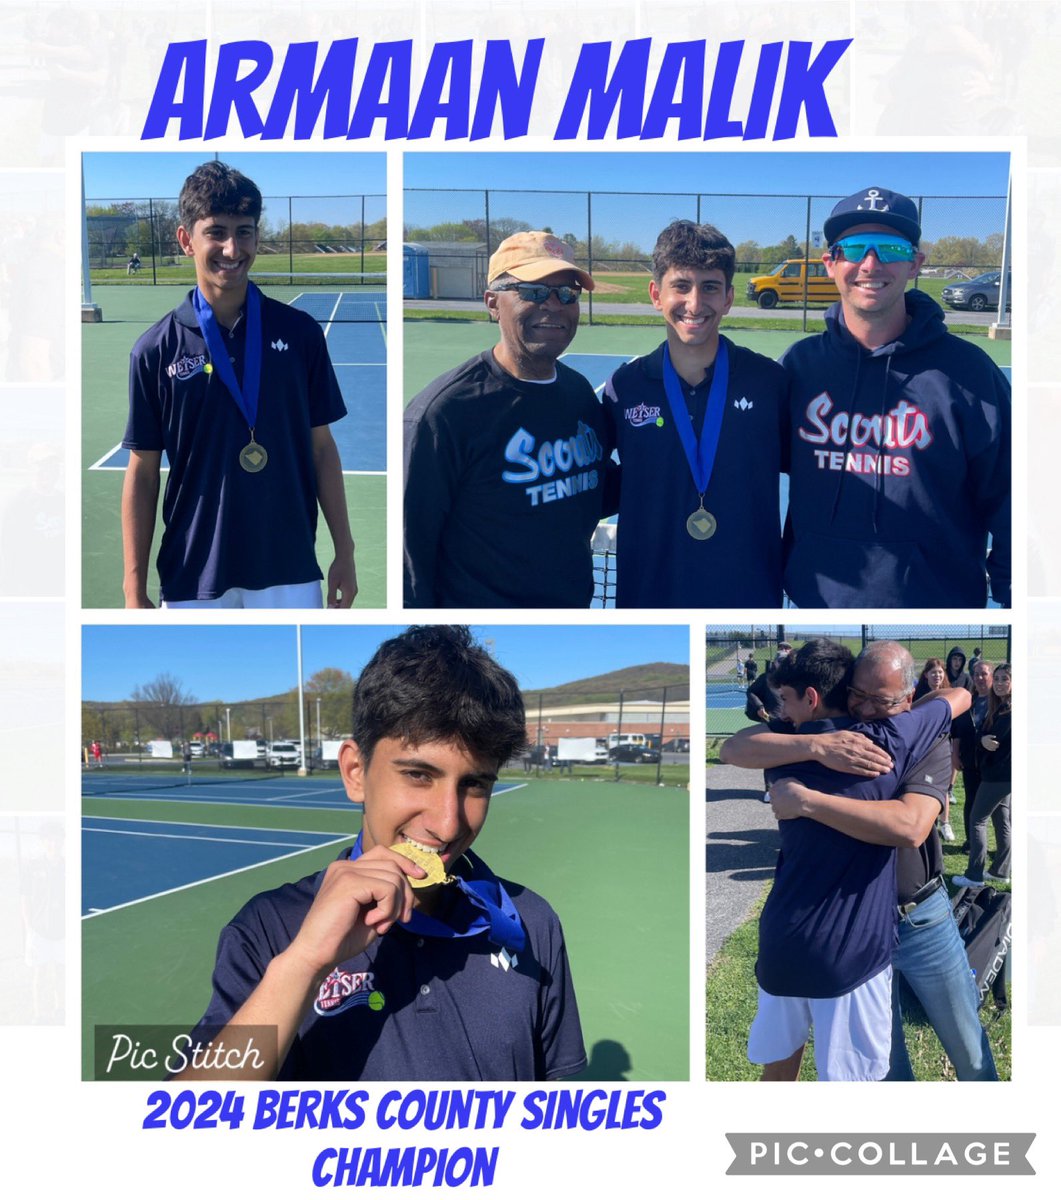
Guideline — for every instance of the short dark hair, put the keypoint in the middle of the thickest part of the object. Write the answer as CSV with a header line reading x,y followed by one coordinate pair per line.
x,y
433,683
822,664
687,244
216,189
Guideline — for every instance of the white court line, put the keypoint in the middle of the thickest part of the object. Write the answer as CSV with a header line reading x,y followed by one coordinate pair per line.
x,y
154,798
98,464
243,828
213,878
191,837
331,319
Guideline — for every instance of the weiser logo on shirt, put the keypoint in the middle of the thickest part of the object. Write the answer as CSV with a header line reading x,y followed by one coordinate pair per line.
x,y
904,427
643,414
186,366
345,989
558,463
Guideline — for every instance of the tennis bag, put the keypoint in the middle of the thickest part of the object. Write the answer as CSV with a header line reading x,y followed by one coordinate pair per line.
x,y
984,919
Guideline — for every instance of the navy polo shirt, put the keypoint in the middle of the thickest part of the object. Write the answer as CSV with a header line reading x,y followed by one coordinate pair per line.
x,y
413,1007
224,527
829,923
659,565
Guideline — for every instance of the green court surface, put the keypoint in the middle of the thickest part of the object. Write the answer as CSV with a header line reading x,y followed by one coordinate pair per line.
x,y
612,860
127,312
432,347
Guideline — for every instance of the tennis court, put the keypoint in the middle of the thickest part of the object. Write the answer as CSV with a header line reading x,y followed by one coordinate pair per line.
x,y
352,312
166,870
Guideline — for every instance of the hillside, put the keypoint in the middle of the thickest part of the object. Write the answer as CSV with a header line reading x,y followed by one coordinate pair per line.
x,y
645,682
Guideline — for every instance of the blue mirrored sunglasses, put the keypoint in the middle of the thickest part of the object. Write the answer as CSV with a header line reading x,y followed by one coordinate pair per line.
x,y
538,293
890,250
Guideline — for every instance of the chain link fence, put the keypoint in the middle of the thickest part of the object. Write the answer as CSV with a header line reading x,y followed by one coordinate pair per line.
x,y
728,652
147,737
639,735
135,240
613,233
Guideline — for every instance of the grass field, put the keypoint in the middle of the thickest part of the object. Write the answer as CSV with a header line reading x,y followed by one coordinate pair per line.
x,y
731,999
572,841
182,270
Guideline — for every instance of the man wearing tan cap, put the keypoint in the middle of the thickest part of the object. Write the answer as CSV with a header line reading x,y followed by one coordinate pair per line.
x,y
506,455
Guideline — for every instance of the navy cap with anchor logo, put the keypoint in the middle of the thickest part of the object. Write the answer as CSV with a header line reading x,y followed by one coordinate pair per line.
x,y
874,206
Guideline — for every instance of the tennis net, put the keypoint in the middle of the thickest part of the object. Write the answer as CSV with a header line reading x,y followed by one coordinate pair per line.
x,y
119,778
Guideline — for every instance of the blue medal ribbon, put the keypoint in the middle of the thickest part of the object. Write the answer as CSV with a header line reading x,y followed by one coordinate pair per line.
x,y
700,456
489,909
246,397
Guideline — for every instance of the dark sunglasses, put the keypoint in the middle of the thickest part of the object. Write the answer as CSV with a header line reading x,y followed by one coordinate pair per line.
x,y
538,293
890,250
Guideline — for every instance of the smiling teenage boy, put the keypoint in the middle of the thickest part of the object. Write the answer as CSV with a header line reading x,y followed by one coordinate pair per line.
x,y
698,429
363,974
900,442
238,390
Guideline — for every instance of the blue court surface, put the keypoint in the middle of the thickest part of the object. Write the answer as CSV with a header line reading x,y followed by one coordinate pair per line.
x,y
359,355
128,861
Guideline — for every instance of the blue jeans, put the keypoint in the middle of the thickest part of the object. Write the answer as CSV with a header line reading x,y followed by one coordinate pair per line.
x,y
931,957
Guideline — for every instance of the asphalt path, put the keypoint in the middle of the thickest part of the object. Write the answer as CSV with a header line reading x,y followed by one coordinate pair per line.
x,y
741,850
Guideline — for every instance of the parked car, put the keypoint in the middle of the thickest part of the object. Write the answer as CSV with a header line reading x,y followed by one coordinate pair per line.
x,y
790,281
633,754
977,294
197,749
283,754
238,754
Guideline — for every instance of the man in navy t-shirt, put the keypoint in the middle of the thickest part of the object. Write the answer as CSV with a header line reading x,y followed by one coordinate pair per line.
x,y
361,972
828,929
238,390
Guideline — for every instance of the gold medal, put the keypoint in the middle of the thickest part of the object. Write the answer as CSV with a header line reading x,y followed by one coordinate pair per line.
x,y
253,457
431,863
701,525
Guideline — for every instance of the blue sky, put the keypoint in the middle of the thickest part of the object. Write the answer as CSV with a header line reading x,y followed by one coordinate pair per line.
x,y
239,662
158,175
657,176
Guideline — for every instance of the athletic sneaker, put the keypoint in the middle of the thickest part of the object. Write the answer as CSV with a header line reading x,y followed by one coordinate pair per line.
x,y
965,881
946,832
996,878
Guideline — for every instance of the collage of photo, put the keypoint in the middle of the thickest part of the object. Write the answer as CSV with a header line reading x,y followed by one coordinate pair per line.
x,y
701,528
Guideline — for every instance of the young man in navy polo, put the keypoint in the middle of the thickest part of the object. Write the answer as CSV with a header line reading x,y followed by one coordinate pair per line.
x,y
360,973
828,929
698,425
238,390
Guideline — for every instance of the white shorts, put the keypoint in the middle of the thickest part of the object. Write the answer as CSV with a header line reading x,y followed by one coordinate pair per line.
x,y
284,595
852,1033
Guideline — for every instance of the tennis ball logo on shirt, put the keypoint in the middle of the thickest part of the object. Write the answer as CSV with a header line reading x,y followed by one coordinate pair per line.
x,y
188,365
347,989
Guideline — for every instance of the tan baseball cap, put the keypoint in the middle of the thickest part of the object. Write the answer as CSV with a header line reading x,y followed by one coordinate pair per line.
x,y
534,255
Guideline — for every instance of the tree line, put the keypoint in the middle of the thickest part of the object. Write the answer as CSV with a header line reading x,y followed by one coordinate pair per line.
x,y
164,709
116,230
751,255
